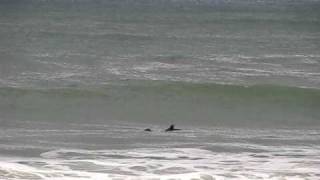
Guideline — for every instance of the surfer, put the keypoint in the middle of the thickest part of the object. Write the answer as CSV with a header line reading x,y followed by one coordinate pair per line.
x,y
148,129
172,128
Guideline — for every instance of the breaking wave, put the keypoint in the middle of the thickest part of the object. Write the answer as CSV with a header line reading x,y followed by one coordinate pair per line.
x,y
178,163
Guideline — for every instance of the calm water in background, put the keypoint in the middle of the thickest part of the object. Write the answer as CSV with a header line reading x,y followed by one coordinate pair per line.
x,y
81,79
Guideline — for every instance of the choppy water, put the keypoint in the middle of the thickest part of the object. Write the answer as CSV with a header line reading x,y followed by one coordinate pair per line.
x,y
81,79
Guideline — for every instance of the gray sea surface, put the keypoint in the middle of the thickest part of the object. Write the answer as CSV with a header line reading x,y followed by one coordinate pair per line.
x,y
80,80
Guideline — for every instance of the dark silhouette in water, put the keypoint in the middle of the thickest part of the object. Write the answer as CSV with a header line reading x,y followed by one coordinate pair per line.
x,y
148,129
172,128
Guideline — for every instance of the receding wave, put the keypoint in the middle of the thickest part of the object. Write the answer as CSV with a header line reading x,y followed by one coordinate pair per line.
x,y
159,102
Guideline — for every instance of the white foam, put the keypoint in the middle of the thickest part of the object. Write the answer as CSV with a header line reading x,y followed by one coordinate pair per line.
x,y
169,163
291,56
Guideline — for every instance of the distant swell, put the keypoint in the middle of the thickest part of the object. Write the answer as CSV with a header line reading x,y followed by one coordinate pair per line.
x,y
160,102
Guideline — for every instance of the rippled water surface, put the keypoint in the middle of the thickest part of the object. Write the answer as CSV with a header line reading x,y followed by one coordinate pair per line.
x,y
80,80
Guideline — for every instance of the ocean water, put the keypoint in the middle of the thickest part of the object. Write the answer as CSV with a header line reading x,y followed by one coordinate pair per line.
x,y
80,80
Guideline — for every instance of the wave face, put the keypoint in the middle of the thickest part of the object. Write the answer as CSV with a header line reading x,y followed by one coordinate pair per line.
x,y
159,102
